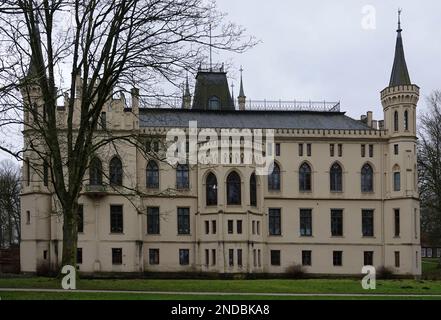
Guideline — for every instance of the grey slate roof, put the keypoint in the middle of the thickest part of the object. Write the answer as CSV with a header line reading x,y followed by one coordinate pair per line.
x,y
400,74
179,118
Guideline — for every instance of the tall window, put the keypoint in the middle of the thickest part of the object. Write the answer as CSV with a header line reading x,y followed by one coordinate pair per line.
x,y
239,226
306,258
397,181
153,256
116,172
305,222
253,190
117,256
152,175
335,176
406,120
116,219
300,149
274,179
153,220
183,221
230,226
233,189
182,176
80,223
239,257
79,255
337,258
305,177
337,222
308,149
184,257
368,258
95,172
363,150
274,222
45,173
397,222
367,223
367,178
211,190
397,259
331,150
231,257
28,171
275,257
396,121
103,121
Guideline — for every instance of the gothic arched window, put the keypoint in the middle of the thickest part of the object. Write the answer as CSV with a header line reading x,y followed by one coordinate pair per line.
x,y
116,172
406,120
211,189
396,121
233,188
305,177
253,190
152,175
335,176
274,179
95,172
367,178
182,176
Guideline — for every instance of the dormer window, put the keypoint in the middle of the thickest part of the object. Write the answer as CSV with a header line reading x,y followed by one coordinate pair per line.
x,y
214,103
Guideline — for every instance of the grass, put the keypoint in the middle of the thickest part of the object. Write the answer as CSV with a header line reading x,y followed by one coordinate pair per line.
x,y
431,269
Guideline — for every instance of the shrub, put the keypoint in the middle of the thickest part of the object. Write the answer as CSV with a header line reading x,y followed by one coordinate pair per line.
x,y
385,273
295,271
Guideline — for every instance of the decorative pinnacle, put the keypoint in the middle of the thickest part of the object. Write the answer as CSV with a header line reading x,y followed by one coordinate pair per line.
x,y
399,20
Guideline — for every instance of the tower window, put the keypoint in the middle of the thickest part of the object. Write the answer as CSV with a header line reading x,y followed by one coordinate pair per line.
x,y
396,121
406,120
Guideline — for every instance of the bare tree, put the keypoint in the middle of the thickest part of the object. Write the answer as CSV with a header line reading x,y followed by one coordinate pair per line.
x,y
9,204
105,46
429,166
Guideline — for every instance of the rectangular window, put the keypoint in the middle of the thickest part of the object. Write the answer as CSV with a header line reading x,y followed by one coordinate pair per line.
x,y
239,257
80,223
306,258
239,226
116,255
213,227
45,254
116,219
183,220
368,258
274,222
253,227
340,150
337,222
255,257
45,173
28,172
277,149
371,150
337,258
28,217
259,260
213,257
230,226
231,257
79,255
423,252
438,252
207,227
300,149
153,220
153,256
363,150
184,257
275,257
367,223
397,222
305,222
258,227
397,259
397,181
308,150
331,150
429,252
207,257
396,149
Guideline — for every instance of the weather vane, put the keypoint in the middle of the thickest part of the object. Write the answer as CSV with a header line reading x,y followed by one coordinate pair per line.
x,y
399,19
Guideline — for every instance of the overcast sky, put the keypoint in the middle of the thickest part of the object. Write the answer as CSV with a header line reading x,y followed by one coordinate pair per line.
x,y
319,50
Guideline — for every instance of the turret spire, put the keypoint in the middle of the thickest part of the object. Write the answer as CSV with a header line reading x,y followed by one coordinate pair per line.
x,y
400,74
241,98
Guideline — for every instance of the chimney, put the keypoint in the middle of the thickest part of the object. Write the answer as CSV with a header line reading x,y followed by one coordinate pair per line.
x,y
375,124
381,124
369,118
135,98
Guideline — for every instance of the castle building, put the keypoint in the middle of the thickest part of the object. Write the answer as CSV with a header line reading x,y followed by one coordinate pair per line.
x,y
342,193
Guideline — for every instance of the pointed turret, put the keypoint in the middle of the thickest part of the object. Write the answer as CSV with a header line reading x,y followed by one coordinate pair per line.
x,y
400,74
186,97
241,98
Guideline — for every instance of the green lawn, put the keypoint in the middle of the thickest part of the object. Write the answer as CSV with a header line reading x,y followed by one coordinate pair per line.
x,y
254,286
431,268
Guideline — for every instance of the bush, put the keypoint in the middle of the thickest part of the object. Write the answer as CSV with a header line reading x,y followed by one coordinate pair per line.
x,y
385,273
295,271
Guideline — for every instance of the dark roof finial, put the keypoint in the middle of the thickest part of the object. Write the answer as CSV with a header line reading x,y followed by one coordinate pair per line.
x,y
241,92
399,20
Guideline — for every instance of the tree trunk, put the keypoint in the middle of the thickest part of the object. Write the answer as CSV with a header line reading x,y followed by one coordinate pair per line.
x,y
70,237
